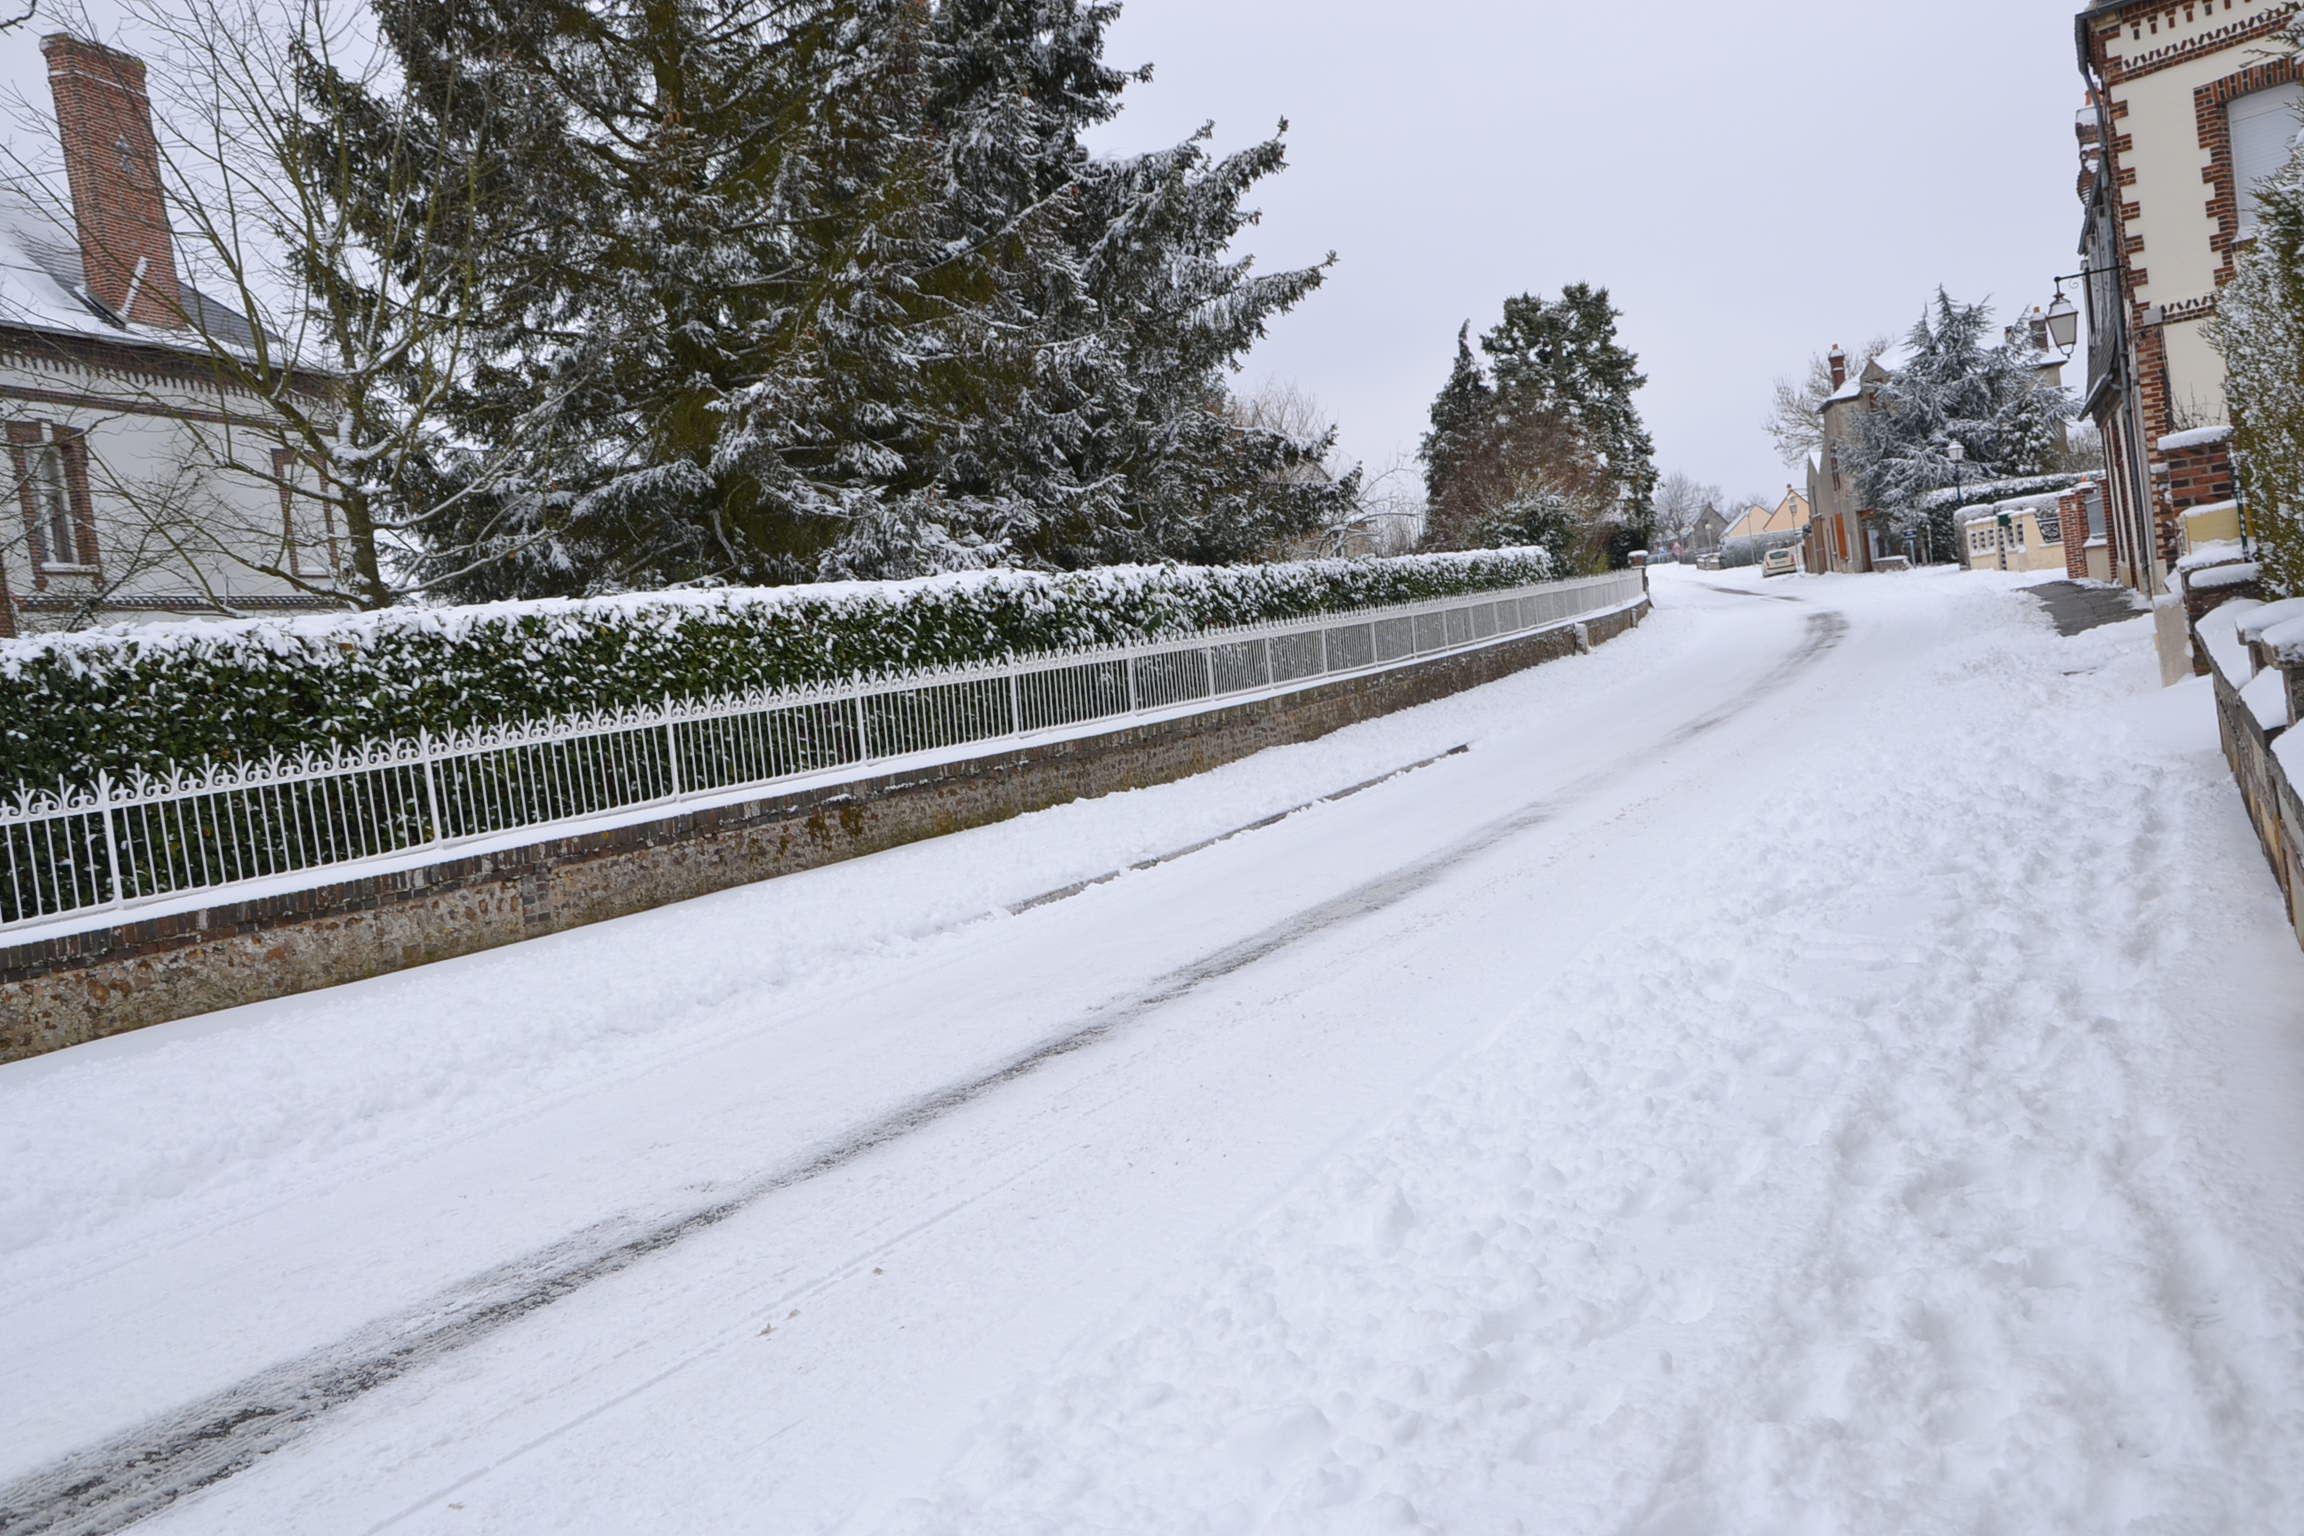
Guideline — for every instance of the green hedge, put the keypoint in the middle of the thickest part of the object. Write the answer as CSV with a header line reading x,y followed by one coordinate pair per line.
x,y
154,697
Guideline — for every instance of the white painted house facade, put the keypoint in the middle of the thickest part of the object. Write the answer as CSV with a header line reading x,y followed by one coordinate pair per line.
x,y
116,414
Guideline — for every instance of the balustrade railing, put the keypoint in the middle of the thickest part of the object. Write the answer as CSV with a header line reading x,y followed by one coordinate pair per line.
x,y
123,842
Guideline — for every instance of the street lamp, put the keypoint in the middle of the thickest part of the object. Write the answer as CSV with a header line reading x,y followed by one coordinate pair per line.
x,y
2063,324
2063,318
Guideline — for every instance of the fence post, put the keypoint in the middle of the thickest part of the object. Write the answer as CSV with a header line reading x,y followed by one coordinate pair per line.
x,y
1208,660
111,839
1128,665
1015,700
431,788
672,756
863,736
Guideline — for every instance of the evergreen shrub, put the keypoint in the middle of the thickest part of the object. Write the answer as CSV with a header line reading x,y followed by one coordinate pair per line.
x,y
151,698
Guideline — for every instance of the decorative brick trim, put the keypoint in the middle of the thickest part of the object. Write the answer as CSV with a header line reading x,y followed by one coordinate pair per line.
x,y
186,603
2169,56
149,364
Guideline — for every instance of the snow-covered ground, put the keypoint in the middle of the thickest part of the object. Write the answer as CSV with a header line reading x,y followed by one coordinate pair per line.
x,y
1829,1061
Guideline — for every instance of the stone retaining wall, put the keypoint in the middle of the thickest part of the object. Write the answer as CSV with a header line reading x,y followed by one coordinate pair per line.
x,y
63,991
2265,788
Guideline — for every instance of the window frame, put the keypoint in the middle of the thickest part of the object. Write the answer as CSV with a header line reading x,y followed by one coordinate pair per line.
x,y
287,465
52,506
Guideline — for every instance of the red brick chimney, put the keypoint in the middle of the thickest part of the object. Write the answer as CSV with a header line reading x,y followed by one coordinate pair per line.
x,y
113,164
1839,362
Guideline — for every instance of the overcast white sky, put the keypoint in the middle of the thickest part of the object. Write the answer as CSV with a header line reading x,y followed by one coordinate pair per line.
x,y
1753,183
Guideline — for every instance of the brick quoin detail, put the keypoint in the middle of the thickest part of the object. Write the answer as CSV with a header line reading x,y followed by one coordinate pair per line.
x,y
112,162
2136,66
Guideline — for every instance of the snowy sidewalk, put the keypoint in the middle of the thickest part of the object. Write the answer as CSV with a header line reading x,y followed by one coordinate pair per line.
x,y
1796,1073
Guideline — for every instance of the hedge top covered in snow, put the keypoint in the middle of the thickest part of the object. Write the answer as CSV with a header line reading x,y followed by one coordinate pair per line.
x,y
155,697
1984,494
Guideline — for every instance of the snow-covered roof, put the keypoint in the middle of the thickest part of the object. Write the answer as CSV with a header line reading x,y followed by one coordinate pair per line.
x,y
1887,362
1986,511
43,287
2198,437
1985,492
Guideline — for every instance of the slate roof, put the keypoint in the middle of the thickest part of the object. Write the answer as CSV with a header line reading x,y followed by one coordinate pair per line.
x,y
43,288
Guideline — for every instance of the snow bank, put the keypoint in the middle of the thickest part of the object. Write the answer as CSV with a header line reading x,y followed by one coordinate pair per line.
x,y
2220,633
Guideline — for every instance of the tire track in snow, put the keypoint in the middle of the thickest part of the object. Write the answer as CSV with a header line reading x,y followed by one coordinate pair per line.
x,y
121,1481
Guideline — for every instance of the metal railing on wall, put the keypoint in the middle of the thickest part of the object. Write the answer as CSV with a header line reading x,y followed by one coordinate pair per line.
x,y
126,842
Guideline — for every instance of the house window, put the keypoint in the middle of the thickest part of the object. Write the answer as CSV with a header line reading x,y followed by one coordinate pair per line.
x,y
52,492
52,526
307,519
2264,128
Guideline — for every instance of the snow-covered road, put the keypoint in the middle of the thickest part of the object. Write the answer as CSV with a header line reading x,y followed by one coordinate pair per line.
x,y
1828,1061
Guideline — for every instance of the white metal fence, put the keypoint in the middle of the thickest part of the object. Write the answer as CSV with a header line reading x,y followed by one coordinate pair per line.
x,y
125,842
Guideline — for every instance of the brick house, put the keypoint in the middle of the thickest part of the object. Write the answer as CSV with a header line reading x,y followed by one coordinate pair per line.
x,y
116,417
2189,107
1842,535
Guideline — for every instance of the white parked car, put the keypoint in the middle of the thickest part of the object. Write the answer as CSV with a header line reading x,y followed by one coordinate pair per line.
x,y
1780,562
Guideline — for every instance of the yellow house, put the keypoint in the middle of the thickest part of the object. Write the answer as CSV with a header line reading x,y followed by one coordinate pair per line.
x,y
1788,516
2025,534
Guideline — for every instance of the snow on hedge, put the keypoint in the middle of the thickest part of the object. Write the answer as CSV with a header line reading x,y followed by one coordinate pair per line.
x,y
161,696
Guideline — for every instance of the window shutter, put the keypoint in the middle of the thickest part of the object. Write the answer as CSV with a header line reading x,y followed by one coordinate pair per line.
x,y
72,450
2264,128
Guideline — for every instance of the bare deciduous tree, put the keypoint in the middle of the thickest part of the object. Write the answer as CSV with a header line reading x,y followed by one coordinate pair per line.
x,y
1793,423
1680,501
336,340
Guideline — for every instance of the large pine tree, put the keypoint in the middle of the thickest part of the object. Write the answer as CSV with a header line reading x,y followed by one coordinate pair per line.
x,y
1564,355
1461,414
834,287
1544,447
1955,385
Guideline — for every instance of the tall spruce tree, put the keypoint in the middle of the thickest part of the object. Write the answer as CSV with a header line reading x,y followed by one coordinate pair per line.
x,y
1544,447
1564,355
1461,414
813,287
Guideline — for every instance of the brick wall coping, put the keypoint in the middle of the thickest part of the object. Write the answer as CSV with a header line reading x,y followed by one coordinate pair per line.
x,y
2198,437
